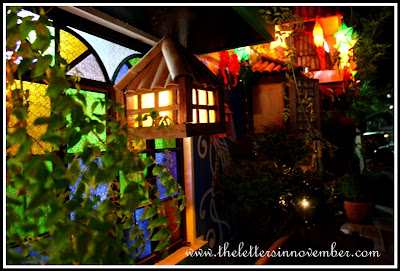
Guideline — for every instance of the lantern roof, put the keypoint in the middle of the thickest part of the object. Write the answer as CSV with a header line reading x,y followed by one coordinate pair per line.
x,y
161,67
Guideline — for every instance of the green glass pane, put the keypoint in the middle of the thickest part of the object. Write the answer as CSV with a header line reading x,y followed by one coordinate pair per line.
x,y
243,53
167,143
91,98
135,60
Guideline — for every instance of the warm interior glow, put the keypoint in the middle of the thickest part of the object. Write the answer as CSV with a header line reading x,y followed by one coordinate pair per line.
x,y
194,96
148,122
280,38
165,98
210,98
212,116
148,100
166,113
131,102
202,97
135,123
203,115
194,116
318,34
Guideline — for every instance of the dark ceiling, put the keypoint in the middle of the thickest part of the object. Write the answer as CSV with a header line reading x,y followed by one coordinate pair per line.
x,y
201,29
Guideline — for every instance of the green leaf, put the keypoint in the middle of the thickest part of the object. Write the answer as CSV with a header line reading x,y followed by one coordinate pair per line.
x,y
161,234
149,213
158,169
154,223
162,245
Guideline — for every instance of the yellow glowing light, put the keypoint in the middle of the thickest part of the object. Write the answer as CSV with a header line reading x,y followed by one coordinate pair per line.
x,y
194,95
131,102
203,115
148,100
166,113
212,116
210,98
318,34
148,122
194,116
280,38
305,203
202,97
164,98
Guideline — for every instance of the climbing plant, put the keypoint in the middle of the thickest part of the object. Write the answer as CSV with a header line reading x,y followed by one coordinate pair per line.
x,y
39,199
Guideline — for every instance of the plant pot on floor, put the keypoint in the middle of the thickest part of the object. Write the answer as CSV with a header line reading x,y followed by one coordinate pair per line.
x,y
359,212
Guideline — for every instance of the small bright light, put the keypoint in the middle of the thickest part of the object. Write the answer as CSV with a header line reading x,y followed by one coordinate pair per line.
x,y
391,107
389,96
386,135
305,203
326,46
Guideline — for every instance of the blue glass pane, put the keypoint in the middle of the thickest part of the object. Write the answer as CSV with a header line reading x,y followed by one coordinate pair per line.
x,y
143,224
41,259
124,69
111,54
100,190
169,160
88,68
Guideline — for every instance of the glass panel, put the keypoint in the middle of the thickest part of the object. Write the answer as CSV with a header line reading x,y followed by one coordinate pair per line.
x,y
166,113
88,68
143,224
194,96
148,100
194,116
134,60
176,233
100,190
210,97
165,98
148,122
70,46
111,54
167,143
169,160
203,115
124,69
131,102
202,97
212,116
39,106
91,98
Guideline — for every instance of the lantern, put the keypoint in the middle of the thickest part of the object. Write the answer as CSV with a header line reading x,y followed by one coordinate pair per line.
x,y
280,38
343,35
176,84
319,40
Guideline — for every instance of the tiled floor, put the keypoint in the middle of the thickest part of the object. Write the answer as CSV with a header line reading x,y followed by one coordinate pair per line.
x,y
381,231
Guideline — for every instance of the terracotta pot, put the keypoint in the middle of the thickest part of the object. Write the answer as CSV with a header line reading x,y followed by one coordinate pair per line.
x,y
359,212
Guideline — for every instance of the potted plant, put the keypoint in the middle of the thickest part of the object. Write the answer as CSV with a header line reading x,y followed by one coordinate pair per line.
x,y
356,190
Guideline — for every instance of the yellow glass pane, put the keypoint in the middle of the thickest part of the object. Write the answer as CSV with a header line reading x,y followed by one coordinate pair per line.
x,y
202,97
212,116
70,46
194,99
210,97
131,102
165,98
194,116
166,113
39,106
203,115
148,122
148,100
133,121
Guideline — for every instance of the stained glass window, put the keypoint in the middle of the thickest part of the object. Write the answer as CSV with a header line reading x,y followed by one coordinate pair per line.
x,y
88,68
167,159
143,226
70,46
91,98
39,106
124,69
100,190
111,54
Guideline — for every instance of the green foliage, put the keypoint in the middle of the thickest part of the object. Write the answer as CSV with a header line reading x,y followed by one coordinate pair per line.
x,y
359,187
41,183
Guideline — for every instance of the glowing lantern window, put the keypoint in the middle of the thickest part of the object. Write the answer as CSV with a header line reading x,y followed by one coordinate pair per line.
x,y
176,84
